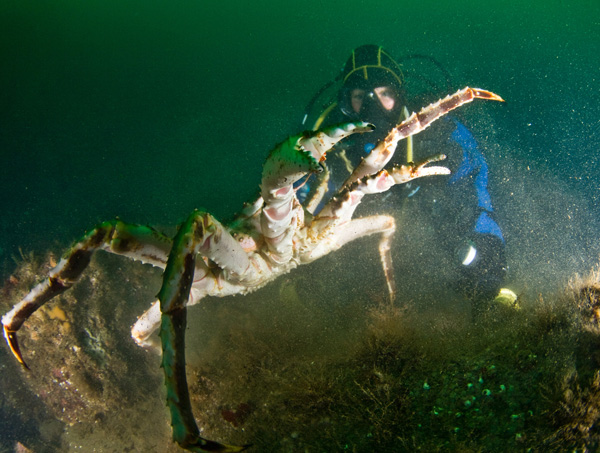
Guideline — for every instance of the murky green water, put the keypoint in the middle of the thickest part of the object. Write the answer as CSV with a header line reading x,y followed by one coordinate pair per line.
x,y
146,110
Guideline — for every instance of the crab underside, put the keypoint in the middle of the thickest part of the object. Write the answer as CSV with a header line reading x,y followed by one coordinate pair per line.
x,y
270,237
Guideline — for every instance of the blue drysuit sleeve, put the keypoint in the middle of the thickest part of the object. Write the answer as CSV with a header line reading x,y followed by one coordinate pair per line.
x,y
474,163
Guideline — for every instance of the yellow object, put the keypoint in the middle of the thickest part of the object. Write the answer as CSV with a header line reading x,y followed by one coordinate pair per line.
x,y
323,115
60,315
397,74
508,298
57,313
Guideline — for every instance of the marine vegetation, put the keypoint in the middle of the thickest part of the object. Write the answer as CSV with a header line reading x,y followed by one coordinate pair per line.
x,y
271,236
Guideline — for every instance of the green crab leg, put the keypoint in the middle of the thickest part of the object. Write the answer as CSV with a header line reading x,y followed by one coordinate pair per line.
x,y
138,242
199,233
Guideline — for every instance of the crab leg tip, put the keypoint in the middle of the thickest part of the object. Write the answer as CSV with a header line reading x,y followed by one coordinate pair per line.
x,y
209,445
13,344
485,94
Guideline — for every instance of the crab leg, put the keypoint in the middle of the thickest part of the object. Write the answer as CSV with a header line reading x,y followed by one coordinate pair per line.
x,y
415,123
317,195
358,228
340,209
137,242
201,233
286,164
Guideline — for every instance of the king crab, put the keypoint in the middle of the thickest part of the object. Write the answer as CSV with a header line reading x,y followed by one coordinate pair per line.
x,y
270,237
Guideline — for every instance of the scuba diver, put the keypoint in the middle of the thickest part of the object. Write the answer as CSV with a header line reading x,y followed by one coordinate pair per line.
x,y
458,207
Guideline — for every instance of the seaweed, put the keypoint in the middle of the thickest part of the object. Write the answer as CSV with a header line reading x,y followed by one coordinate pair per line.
x,y
288,369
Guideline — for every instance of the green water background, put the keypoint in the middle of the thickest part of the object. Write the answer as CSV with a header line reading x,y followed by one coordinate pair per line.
x,y
148,109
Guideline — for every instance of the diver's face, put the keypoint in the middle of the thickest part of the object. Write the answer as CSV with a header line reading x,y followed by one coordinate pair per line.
x,y
386,96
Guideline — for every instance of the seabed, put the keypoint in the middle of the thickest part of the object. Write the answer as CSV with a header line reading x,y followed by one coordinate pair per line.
x,y
289,371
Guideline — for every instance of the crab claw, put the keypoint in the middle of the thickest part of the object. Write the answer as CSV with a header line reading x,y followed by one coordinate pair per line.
x,y
405,173
485,94
301,154
317,143
13,344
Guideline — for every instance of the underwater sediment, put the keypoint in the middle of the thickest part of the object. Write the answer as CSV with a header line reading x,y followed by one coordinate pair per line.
x,y
288,370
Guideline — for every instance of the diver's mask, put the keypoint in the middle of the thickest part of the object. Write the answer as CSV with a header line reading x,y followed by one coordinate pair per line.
x,y
379,106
